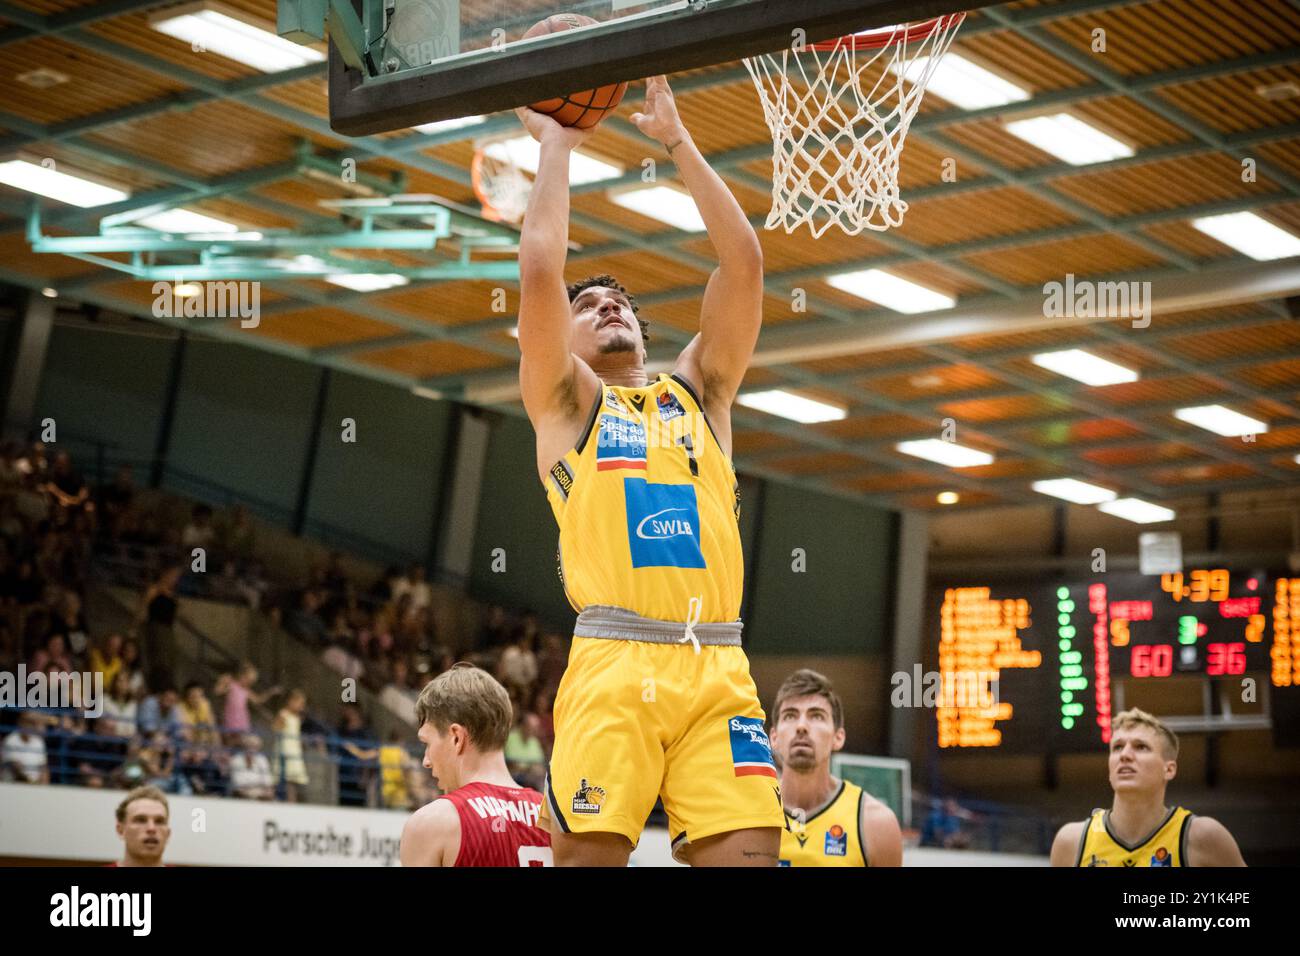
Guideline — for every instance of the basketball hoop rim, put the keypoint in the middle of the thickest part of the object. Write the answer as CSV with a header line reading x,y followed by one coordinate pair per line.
x,y
876,39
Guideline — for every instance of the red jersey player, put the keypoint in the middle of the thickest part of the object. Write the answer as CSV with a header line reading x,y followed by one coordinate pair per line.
x,y
485,818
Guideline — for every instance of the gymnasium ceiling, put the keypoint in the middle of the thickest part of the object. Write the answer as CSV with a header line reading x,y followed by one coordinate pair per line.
x,y
1180,81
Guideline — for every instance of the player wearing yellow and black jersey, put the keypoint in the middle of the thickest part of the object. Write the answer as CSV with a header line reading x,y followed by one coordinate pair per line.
x,y
657,699
829,822
1139,829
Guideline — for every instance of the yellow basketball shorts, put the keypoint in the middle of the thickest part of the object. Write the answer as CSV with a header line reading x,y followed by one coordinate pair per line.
x,y
636,720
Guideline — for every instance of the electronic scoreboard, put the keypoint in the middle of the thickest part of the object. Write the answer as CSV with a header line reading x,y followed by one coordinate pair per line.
x,y
1029,667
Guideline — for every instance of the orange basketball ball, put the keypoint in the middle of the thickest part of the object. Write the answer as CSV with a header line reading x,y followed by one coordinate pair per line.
x,y
583,110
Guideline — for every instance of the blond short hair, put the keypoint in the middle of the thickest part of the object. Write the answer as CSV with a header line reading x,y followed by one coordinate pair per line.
x,y
469,696
141,793
804,683
1133,717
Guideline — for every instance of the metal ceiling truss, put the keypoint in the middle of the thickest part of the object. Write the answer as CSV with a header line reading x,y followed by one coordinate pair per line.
x,y
408,151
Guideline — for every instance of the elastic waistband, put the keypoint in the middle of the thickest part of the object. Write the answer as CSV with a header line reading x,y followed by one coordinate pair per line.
x,y
620,624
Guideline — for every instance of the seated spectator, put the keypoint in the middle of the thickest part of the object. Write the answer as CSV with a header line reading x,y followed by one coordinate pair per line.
x,y
250,771
53,656
199,533
420,590
66,486
517,669
196,714
132,668
200,769
160,712
523,752
354,772
22,755
106,657
495,630
305,622
115,500
121,711
91,758
148,763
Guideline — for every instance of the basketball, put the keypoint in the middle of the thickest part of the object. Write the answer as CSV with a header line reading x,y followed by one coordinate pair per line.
x,y
581,110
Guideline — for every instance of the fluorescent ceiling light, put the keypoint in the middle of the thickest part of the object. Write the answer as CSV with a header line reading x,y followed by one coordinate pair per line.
x,y
1071,489
1250,235
963,83
945,453
778,401
457,123
1221,420
1069,138
368,281
184,221
1137,511
1085,367
524,152
890,291
663,203
206,27
56,185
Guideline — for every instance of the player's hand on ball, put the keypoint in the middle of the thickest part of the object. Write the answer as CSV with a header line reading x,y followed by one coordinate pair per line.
x,y
659,119
542,128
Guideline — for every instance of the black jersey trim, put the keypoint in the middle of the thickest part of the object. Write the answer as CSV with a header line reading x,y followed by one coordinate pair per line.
x,y
1105,821
555,806
1083,840
862,837
698,404
830,803
591,420
1184,834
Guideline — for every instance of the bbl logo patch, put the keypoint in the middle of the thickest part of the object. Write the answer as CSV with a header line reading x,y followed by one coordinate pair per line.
x,y
669,406
837,841
589,798
1162,858
751,753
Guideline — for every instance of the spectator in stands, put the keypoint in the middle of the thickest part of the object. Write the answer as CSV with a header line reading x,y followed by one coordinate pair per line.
x,y
11,476
517,669
943,825
22,755
543,702
421,592
395,766
305,622
551,660
523,751
68,622
250,771
160,711
399,585
106,657
91,759
121,711
157,616
131,668
495,630
67,488
354,772
200,770
290,768
199,533
148,762
196,715
239,693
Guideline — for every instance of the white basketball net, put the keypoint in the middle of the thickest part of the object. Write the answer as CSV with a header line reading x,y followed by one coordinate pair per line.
x,y
839,112
501,185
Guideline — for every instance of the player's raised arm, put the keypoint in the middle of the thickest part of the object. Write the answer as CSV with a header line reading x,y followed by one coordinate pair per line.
x,y
545,322
732,311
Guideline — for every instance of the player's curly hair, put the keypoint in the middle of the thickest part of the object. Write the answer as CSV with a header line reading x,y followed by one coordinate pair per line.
x,y
607,281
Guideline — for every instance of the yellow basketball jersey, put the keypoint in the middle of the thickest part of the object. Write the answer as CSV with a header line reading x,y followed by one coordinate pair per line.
x,y
648,508
1167,846
830,837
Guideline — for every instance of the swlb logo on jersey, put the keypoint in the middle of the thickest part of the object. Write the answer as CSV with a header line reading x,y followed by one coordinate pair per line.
x,y
663,525
751,753
669,406
621,444
589,798
837,841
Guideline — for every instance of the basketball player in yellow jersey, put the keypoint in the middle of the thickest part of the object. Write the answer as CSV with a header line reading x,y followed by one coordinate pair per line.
x,y
829,822
657,699
1138,829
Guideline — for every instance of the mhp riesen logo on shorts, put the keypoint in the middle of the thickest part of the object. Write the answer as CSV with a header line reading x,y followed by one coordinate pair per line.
x,y
663,525
750,751
620,444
